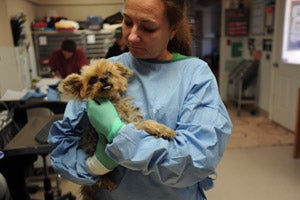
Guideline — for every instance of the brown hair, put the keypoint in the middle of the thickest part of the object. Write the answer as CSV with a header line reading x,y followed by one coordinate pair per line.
x,y
176,13
68,45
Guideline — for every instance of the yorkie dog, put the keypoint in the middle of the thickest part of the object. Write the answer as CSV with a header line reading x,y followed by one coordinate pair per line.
x,y
103,79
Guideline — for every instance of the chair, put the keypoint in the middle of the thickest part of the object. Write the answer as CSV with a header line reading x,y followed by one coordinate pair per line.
x,y
8,130
54,107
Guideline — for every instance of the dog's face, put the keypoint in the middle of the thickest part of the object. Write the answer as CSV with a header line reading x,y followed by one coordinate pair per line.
x,y
101,79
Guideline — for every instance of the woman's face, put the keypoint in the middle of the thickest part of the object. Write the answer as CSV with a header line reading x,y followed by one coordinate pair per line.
x,y
67,54
146,30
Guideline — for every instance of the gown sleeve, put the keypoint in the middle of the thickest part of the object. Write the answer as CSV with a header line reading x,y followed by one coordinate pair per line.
x,y
66,158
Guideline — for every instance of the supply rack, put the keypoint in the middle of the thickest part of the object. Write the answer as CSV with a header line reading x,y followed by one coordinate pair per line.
x,y
241,78
94,43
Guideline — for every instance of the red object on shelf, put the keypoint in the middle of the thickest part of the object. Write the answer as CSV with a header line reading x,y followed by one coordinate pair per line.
x,y
65,29
40,24
44,61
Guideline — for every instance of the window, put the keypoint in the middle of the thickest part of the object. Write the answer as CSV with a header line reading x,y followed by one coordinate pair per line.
x,y
291,33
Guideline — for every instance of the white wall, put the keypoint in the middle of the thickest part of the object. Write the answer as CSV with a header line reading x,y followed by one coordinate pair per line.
x,y
225,57
8,70
8,65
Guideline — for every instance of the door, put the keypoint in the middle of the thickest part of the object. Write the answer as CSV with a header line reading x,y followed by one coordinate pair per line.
x,y
285,75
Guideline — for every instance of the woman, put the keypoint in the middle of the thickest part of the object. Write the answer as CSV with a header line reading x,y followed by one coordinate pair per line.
x,y
67,60
168,86
119,45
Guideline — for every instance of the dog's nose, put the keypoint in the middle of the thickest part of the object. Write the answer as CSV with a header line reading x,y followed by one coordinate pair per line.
x,y
103,80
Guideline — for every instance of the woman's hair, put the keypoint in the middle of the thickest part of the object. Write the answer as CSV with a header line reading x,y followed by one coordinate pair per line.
x,y
68,45
176,13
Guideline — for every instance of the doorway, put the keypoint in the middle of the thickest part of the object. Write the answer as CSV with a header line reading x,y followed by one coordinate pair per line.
x,y
205,19
285,75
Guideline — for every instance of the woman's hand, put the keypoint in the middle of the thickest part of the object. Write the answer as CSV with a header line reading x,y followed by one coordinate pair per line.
x,y
104,118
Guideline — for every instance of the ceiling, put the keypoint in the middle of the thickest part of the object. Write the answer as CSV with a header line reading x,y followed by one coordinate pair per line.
x,y
202,3
74,2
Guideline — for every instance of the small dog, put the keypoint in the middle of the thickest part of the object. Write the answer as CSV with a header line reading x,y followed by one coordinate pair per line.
x,y
107,80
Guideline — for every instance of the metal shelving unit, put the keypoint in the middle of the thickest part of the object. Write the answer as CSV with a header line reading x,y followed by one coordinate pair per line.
x,y
94,43
243,76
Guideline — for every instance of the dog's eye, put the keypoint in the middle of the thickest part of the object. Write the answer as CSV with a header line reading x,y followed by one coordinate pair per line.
x,y
93,80
107,73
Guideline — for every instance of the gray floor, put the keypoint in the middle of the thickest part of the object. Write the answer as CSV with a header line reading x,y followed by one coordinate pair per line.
x,y
265,173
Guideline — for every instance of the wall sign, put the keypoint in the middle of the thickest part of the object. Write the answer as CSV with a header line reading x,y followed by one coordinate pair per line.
x,y
237,22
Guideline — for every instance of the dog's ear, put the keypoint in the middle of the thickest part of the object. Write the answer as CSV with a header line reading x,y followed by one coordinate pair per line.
x,y
125,71
72,86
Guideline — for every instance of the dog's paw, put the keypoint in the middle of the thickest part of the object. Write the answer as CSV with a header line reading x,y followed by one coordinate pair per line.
x,y
156,129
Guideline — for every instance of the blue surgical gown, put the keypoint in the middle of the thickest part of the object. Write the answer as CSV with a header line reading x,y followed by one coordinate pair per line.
x,y
182,94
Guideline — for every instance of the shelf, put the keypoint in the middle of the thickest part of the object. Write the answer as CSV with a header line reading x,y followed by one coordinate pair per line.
x,y
94,43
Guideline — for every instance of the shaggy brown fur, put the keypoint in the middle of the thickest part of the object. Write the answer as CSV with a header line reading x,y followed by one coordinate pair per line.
x,y
107,80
